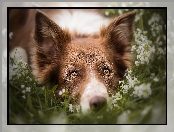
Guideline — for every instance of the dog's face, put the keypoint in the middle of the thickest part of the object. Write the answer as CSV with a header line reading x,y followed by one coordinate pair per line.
x,y
89,67
88,71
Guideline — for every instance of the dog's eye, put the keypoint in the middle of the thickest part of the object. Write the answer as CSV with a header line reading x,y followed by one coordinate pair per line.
x,y
74,73
106,72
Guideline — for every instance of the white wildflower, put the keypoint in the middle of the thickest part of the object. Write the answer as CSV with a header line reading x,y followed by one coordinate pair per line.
x,y
43,88
115,98
114,101
125,91
155,18
129,71
137,18
143,47
23,91
152,49
133,48
22,86
78,107
136,63
160,43
156,79
139,30
28,89
120,12
131,82
136,81
126,87
128,77
118,96
139,15
71,108
144,32
143,90
161,51
24,97
121,82
156,29
60,93
63,90
106,13
100,117
29,78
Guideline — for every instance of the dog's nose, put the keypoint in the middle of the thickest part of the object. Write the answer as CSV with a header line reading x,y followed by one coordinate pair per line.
x,y
97,102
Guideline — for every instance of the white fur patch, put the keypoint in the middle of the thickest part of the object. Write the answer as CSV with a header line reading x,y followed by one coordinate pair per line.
x,y
82,22
92,89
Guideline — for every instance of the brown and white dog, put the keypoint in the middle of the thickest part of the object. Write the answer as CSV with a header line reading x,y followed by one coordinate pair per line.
x,y
80,50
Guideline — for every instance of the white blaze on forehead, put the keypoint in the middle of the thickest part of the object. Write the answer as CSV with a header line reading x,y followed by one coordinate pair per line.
x,y
92,89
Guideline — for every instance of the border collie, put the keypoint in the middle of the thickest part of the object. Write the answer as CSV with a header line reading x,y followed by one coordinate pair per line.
x,y
78,49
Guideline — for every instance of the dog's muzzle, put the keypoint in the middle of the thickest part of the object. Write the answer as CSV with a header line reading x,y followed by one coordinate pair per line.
x,y
94,97
97,103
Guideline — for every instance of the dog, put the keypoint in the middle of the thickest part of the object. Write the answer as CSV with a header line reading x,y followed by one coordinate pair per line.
x,y
80,50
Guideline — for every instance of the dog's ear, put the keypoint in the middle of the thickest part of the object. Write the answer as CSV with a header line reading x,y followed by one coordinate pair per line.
x,y
118,36
49,35
50,42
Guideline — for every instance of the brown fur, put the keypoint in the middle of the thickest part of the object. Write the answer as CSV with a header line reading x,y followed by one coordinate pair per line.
x,y
63,54
63,58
